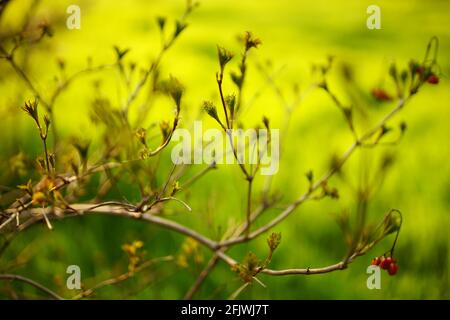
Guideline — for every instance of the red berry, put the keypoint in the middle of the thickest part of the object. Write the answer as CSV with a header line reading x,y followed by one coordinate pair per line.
x,y
386,263
376,261
382,258
392,269
381,95
433,79
420,70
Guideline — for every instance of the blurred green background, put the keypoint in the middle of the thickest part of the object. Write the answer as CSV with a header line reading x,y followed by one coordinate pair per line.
x,y
295,35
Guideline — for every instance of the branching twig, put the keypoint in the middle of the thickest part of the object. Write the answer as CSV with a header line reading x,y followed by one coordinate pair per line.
x,y
304,197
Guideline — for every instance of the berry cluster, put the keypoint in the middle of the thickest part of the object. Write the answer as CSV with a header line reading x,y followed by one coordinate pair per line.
x,y
417,75
386,263
426,74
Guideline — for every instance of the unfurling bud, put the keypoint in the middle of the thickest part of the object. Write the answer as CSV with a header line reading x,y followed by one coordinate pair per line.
x,y
250,41
224,57
230,101
31,108
120,53
41,163
310,176
210,109
403,126
165,129
175,188
52,160
161,21
384,129
381,95
141,134
348,113
266,122
404,76
47,122
274,240
179,27
175,89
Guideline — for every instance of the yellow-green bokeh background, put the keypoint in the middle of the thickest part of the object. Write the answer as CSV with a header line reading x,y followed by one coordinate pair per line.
x,y
295,34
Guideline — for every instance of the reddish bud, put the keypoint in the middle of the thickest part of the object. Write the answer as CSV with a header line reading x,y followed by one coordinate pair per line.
x,y
433,79
381,95
420,70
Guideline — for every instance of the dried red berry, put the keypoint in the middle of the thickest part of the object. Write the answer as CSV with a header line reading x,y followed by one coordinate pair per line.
x,y
381,95
386,263
433,79
376,261
393,267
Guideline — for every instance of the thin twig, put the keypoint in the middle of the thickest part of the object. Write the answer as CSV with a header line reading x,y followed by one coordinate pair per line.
x,y
310,271
121,278
32,283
